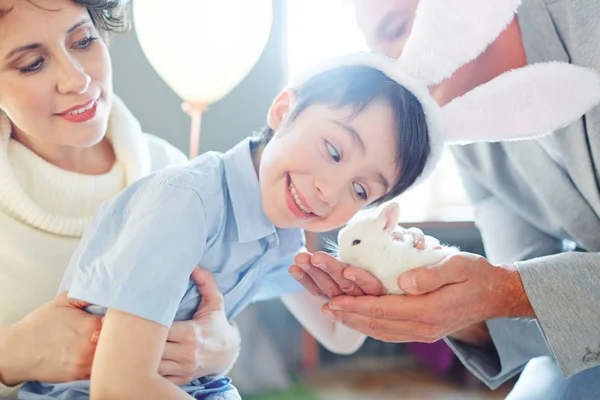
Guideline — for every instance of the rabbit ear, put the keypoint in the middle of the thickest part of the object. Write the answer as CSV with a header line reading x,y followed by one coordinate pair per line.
x,y
388,216
522,103
447,34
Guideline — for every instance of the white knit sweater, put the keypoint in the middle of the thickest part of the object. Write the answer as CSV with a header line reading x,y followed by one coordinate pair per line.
x,y
44,209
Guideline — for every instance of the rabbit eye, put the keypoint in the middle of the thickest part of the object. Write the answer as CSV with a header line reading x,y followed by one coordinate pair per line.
x,y
355,242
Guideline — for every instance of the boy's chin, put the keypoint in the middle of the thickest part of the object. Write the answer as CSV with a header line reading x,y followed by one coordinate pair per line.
x,y
287,222
277,219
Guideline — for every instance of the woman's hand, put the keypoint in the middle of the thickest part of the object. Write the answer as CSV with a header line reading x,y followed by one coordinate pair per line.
x,y
54,343
207,344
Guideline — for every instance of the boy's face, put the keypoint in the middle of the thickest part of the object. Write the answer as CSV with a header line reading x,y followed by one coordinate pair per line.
x,y
322,168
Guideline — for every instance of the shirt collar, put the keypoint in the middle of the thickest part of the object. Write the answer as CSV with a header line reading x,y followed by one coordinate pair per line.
x,y
244,193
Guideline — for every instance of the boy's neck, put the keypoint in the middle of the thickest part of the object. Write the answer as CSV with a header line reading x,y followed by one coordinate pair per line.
x,y
504,54
256,150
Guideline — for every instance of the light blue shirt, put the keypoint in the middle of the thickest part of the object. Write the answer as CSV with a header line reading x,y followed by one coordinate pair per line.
x,y
141,247
140,251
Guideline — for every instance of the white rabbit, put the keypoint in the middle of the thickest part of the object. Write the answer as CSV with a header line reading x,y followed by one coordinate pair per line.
x,y
375,243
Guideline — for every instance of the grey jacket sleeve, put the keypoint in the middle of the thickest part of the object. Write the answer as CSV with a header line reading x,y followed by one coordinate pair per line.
x,y
564,291
559,287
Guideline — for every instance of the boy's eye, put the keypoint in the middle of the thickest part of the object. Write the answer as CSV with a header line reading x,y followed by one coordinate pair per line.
x,y
333,152
360,191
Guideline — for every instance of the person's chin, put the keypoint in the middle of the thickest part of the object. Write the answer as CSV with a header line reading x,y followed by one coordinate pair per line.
x,y
279,220
85,135
85,139
277,216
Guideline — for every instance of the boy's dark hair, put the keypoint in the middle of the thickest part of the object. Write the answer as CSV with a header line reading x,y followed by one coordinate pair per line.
x,y
357,87
108,16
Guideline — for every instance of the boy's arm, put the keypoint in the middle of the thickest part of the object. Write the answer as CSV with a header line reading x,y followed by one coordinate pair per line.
x,y
137,257
335,337
127,358
306,308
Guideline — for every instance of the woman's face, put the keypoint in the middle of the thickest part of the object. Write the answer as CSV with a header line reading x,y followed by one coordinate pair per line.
x,y
55,73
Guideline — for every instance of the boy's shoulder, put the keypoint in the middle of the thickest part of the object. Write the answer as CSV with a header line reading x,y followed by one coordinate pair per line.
x,y
209,177
203,175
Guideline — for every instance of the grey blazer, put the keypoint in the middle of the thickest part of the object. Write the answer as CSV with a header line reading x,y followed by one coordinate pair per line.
x,y
534,201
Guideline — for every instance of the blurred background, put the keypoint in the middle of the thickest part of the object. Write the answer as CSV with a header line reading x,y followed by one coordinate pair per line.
x,y
279,360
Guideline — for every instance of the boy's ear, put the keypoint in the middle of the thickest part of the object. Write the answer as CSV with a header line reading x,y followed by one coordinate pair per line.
x,y
280,108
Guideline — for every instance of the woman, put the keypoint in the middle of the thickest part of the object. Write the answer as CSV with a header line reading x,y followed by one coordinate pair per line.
x,y
66,145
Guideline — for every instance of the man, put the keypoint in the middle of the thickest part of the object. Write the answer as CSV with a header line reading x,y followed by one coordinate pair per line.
x,y
534,302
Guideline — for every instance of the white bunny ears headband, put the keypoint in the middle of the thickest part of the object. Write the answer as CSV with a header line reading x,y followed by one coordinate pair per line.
x,y
523,103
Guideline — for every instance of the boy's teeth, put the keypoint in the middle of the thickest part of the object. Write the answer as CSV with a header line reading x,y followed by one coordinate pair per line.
x,y
297,200
81,110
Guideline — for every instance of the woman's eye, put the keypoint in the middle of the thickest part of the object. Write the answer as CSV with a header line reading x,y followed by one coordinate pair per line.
x,y
85,43
333,152
360,191
33,67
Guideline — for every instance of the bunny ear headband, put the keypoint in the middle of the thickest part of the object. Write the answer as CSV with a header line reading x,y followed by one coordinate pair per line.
x,y
523,103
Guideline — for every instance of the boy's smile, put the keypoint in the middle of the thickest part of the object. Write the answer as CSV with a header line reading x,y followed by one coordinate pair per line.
x,y
296,202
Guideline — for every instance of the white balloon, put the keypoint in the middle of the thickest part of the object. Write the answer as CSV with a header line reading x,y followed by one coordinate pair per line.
x,y
202,48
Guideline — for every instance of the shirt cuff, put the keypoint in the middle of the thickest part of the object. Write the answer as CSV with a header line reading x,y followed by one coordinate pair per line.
x,y
515,342
141,302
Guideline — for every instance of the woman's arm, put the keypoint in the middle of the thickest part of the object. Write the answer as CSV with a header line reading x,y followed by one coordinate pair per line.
x,y
335,337
5,356
127,358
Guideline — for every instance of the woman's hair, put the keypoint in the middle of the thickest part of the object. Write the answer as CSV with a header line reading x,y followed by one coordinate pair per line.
x,y
108,16
357,87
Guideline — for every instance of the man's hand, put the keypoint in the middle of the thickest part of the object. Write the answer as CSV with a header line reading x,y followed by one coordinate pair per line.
x,y
477,335
461,291
206,345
